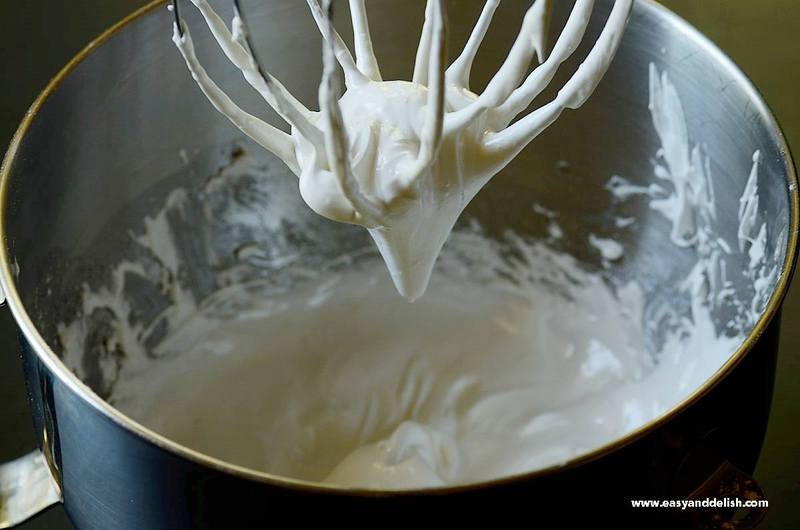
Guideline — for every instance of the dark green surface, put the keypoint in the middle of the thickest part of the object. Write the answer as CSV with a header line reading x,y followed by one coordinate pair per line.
x,y
37,38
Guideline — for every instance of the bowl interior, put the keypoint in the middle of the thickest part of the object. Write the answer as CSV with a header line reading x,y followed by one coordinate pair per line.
x,y
100,164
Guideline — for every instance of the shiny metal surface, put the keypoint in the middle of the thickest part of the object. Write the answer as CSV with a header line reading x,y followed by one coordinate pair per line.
x,y
126,156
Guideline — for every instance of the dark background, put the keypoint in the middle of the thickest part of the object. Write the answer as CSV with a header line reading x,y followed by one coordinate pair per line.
x,y
38,38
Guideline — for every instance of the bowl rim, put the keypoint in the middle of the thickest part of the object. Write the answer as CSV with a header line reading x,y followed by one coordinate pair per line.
x,y
67,377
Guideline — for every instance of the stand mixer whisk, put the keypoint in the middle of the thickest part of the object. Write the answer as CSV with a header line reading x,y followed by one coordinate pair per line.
x,y
404,158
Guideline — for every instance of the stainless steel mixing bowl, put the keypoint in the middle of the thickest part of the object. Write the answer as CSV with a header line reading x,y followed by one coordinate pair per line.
x,y
99,150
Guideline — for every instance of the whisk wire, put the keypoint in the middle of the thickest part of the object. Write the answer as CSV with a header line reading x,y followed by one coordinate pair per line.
x,y
237,7
177,13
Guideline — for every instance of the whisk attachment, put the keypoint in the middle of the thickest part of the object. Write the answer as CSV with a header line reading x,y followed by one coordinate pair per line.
x,y
438,135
